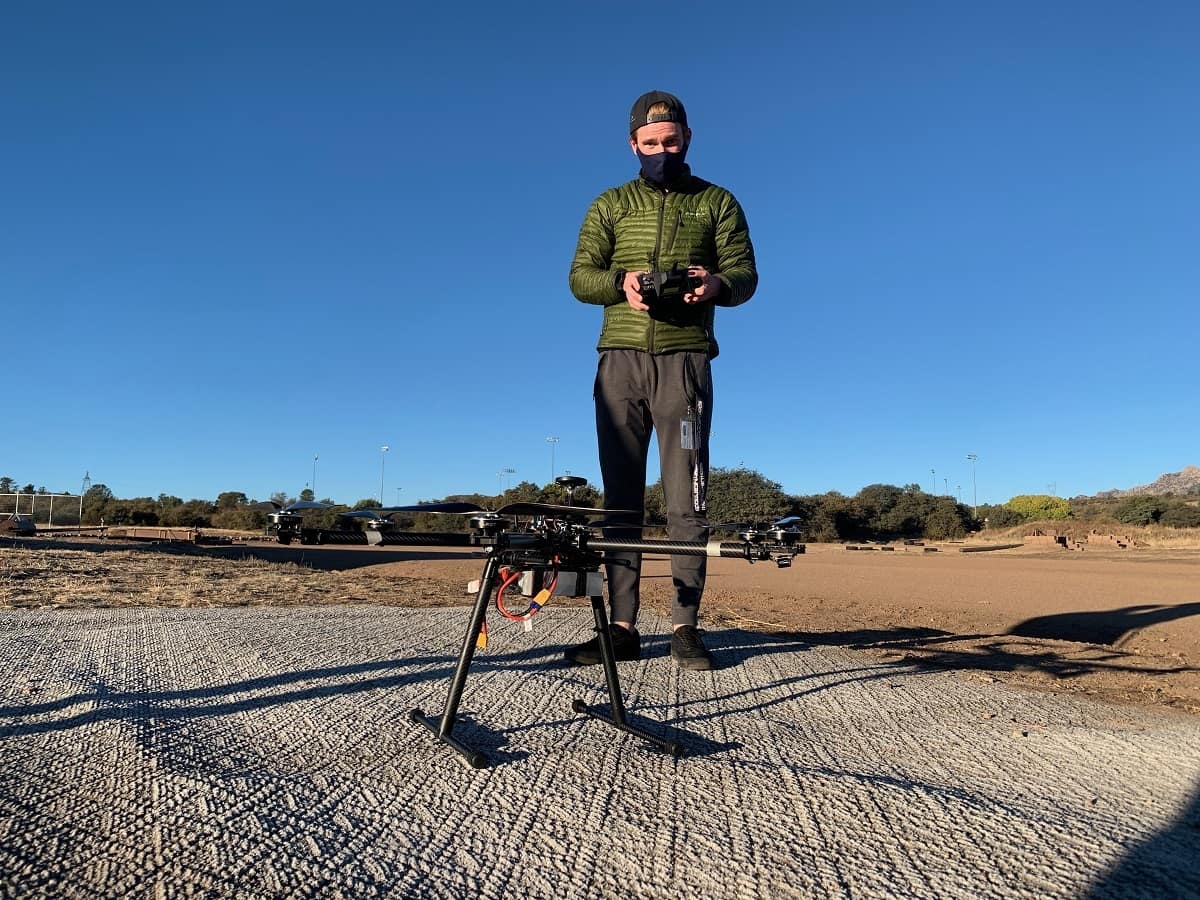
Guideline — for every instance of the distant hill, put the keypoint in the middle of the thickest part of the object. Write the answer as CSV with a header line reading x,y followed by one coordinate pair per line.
x,y
1184,482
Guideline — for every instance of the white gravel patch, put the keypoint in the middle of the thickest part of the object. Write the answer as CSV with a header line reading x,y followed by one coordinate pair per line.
x,y
267,752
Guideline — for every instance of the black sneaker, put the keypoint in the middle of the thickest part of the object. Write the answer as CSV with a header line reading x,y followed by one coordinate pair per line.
x,y
627,645
688,650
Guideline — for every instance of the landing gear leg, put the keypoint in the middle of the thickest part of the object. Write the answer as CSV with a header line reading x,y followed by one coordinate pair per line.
x,y
443,728
615,715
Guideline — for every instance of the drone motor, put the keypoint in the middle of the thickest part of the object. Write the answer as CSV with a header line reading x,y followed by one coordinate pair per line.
x,y
490,523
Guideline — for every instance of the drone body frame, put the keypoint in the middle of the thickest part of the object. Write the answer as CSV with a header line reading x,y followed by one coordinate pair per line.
x,y
559,541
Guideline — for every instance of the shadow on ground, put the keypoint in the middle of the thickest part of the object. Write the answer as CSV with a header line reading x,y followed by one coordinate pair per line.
x,y
1163,865
1109,626
166,706
1010,652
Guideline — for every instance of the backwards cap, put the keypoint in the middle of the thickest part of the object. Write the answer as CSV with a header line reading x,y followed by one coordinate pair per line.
x,y
640,114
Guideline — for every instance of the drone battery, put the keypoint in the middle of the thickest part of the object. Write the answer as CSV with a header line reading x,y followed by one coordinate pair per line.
x,y
569,584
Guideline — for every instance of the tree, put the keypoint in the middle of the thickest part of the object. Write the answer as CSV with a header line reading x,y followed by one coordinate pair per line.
x,y
435,522
814,522
525,492
656,505
95,503
911,514
7,485
875,503
240,518
833,516
947,521
307,494
743,495
192,514
1181,516
326,518
231,500
999,516
1035,507
138,511
1140,510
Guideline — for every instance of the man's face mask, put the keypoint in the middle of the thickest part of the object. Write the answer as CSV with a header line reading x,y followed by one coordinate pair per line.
x,y
664,167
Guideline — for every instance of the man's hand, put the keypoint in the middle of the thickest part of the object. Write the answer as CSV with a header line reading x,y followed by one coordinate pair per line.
x,y
633,290
706,292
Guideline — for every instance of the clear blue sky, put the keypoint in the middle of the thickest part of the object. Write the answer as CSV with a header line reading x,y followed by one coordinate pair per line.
x,y
235,235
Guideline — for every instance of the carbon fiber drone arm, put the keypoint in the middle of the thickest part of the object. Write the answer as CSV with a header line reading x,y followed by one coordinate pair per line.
x,y
727,549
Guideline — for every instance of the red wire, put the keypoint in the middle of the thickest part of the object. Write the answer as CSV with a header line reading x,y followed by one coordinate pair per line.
x,y
504,585
532,609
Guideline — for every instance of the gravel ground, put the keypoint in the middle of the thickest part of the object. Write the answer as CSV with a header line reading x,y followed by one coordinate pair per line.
x,y
266,752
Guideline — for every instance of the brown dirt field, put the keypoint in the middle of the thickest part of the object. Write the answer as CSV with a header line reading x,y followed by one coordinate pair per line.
x,y
1121,626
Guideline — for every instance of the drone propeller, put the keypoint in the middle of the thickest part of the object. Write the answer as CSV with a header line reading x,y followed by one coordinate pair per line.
x,y
452,507
364,514
519,508
306,504
550,509
617,523
742,526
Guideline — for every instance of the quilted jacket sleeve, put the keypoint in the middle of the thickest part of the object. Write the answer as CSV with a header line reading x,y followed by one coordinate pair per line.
x,y
735,254
592,279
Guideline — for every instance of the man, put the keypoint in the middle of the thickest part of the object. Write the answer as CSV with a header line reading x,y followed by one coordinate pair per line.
x,y
655,349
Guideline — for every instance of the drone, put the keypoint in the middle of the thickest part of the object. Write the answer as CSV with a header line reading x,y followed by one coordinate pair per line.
x,y
558,551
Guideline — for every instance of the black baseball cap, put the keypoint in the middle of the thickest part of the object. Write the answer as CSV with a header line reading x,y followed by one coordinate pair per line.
x,y
640,114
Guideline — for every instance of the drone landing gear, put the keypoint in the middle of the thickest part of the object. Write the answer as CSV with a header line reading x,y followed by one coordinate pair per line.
x,y
443,727
616,710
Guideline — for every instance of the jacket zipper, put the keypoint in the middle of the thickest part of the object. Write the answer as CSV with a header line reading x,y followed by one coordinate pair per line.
x,y
662,210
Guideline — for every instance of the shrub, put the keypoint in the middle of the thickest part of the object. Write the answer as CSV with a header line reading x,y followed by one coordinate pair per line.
x,y
1039,506
998,517
1181,516
1140,511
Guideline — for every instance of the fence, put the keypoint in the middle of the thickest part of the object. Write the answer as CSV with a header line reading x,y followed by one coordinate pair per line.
x,y
46,509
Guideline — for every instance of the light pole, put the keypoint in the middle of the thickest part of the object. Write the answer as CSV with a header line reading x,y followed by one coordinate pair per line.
x,y
314,481
552,441
933,474
501,474
945,486
382,461
974,492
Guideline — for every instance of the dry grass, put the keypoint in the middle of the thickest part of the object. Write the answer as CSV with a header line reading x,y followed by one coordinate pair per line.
x,y
53,579
1158,537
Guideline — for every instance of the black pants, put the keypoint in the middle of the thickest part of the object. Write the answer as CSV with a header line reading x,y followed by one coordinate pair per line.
x,y
670,394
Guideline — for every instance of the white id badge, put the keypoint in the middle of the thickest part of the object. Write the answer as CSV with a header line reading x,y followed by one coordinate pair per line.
x,y
687,434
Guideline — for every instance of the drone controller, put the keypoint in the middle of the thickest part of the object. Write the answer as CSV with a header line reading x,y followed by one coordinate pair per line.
x,y
668,287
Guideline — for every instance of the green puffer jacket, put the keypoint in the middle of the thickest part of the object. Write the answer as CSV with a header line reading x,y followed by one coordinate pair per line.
x,y
638,227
